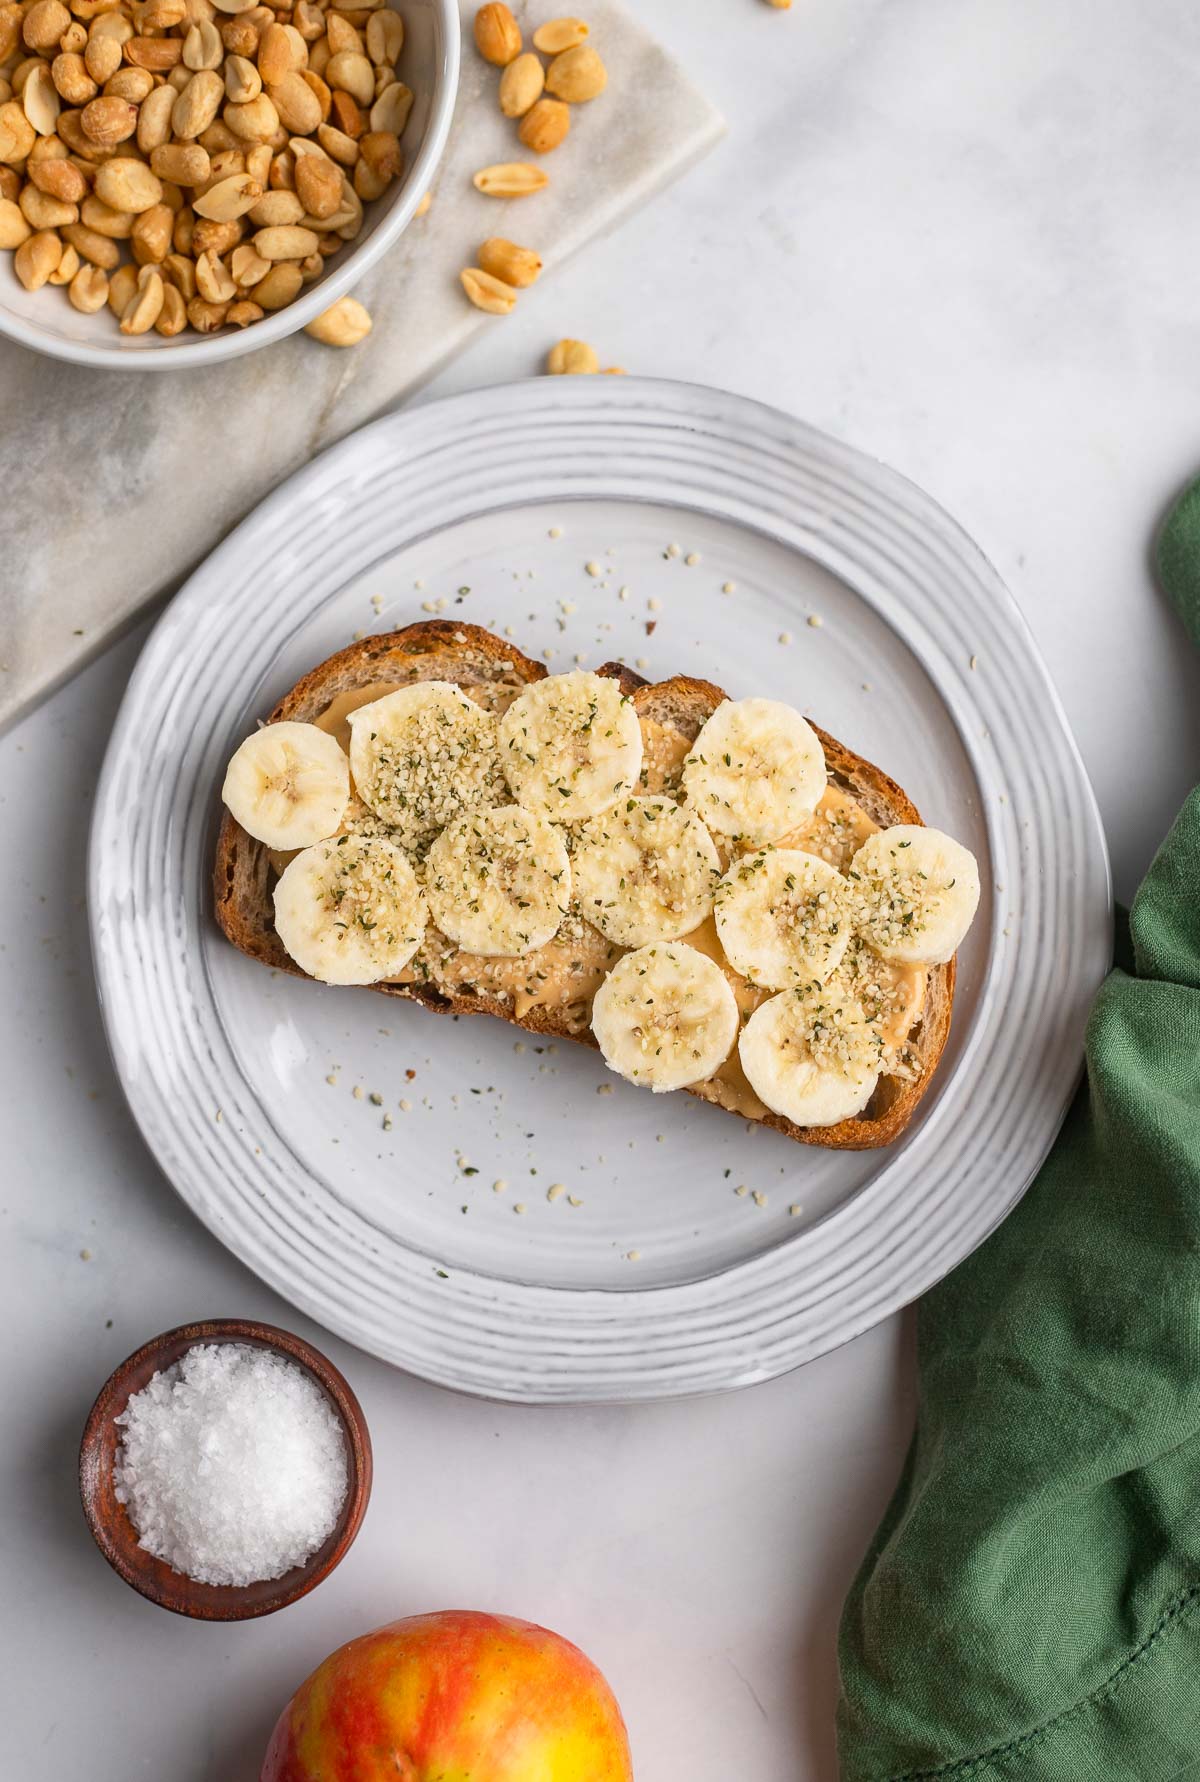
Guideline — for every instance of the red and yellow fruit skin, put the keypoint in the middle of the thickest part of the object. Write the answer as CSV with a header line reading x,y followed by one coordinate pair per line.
x,y
452,1697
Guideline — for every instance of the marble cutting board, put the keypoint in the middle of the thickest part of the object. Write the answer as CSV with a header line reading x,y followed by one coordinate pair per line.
x,y
143,474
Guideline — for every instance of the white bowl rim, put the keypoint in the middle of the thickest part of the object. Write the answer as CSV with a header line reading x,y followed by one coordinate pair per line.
x,y
209,349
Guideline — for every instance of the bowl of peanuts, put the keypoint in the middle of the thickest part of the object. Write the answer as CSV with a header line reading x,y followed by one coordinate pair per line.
x,y
201,177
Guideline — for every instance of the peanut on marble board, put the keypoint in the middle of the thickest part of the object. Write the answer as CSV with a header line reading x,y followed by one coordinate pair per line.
x,y
537,95
195,163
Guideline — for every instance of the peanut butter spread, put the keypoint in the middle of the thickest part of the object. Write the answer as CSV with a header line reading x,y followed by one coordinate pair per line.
x,y
567,971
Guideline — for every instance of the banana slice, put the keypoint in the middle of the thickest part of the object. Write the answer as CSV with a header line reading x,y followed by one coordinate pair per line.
x,y
645,870
350,911
423,755
811,1056
288,785
918,891
784,918
571,746
498,881
756,770
665,1017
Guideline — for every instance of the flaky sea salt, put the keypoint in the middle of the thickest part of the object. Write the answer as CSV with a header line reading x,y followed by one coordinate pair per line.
x,y
232,1464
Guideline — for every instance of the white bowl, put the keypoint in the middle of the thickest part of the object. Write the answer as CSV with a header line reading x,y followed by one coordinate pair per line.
x,y
46,321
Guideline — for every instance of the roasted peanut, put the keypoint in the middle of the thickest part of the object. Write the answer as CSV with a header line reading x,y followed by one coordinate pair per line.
x,y
487,292
151,237
350,72
343,324
255,121
559,35
71,79
14,224
197,105
218,238
280,286
571,357
17,134
134,84
390,111
41,211
59,178
385,36
36,258
286,241
101,59
202,47
156,55
145,306
242,80
67,267
100,250
497,34
206,317
88,290
516,266
521,85
318,185
183,163
108,120
577,75
127,185
545,125
45,23
172,317
510,179
243,312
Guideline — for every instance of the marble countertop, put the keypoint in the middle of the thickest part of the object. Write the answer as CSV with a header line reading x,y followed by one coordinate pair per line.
x,y
949,232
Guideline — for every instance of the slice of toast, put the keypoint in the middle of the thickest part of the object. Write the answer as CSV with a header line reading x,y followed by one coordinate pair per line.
x,y
492,671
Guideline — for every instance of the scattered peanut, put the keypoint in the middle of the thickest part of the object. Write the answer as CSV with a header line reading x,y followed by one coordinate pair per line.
x,y
516,266
571,357
545,125
521,85
559,35
577,75
488,292
497,34
510,179
231,144
344,324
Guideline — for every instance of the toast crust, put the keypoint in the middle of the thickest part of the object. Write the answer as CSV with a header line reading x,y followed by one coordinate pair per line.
x,y
481,663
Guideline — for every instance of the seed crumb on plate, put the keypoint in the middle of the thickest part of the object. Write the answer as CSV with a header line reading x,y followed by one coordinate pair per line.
x,y
816,621
729,587
785,637
692,558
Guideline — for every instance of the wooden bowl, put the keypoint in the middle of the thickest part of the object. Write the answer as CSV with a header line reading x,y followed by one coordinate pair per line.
x,y
109,1520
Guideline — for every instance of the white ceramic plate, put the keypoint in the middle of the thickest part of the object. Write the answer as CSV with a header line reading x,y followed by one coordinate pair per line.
x,y
664,1280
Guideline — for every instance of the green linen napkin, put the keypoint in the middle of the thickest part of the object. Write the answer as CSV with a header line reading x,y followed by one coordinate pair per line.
x,y
1030,1607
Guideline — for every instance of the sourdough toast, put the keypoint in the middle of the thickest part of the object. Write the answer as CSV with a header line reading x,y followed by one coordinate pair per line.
x,y
492,671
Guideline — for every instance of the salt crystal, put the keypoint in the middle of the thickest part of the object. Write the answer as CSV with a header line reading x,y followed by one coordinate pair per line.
x,y
232,1464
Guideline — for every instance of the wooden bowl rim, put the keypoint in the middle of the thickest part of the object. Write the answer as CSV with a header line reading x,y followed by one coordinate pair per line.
x,y
109,1521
